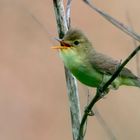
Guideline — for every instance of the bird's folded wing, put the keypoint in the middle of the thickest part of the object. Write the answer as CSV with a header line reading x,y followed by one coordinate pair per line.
x,y
107,65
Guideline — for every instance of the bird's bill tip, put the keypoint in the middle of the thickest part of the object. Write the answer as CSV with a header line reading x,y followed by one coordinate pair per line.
x,y
59,47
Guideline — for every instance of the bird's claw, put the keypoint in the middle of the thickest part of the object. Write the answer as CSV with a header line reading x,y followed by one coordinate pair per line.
x,y
103,93
91,113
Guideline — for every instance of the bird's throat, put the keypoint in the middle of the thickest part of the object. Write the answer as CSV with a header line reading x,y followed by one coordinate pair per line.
x,y
70,58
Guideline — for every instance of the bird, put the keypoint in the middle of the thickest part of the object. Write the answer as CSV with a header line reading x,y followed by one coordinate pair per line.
x,y
89,66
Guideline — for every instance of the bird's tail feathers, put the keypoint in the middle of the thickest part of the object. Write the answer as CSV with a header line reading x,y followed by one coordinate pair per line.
x,y
137,82
131,82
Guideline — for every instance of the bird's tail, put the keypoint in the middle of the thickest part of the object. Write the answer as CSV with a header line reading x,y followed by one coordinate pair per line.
x,y
131,82
137,82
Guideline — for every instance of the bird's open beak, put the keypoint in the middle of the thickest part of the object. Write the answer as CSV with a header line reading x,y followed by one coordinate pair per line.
x,y
64,45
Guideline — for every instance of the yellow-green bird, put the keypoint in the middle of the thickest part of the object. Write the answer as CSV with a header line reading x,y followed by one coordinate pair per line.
x,y
89,66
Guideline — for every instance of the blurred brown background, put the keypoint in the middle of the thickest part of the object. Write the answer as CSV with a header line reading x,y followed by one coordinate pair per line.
x,y
33,100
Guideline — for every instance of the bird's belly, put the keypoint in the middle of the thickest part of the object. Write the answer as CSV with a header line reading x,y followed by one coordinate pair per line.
x,y
83,71
87,76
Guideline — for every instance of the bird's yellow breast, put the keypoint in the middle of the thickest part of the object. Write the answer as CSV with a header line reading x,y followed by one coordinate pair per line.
x,y
70,58
80,68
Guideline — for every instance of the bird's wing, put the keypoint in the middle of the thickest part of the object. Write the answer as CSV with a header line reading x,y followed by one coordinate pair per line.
x,y
107,65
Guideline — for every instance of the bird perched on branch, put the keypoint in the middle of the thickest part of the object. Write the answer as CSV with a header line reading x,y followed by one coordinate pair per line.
x,y
89,66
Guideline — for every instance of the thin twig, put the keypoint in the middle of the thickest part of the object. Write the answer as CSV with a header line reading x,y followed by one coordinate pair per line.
x,y
95,112
70,80
68,12
104,124
118,24
120,68
135,45
102,89
40,24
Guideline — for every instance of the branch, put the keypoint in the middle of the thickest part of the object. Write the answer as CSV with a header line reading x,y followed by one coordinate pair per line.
x,y
70,80
101,90
118,24
60,17
135,45
68,12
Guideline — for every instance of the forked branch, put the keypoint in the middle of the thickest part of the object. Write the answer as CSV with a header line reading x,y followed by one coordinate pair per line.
x,y
101,90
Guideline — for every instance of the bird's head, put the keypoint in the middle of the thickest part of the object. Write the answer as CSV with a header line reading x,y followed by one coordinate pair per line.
x,y
74,40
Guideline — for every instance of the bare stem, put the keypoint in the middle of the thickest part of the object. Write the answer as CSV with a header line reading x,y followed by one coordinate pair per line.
x,y
118,24
70,80
68,9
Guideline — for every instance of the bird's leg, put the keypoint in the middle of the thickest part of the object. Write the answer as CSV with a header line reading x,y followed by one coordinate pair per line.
x,y
118,65
115,84
90,113
104,79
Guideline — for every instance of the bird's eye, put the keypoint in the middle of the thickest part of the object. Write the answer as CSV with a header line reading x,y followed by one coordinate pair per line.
x,y
76,42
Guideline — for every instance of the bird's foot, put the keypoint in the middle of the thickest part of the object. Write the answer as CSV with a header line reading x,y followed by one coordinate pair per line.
x,y
103,93
89,112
